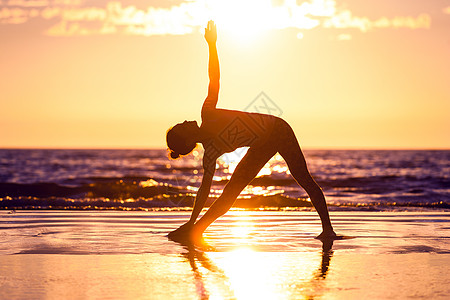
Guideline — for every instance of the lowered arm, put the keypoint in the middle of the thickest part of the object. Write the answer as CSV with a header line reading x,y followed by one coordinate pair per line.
x,y
204,190
209,167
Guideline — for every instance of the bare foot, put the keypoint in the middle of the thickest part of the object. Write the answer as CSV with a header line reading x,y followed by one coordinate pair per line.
x,y
190,239
327,235
198,240
332,236
180,232
202,245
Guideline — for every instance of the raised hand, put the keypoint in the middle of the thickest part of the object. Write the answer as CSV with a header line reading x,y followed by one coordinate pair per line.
x,y
211,32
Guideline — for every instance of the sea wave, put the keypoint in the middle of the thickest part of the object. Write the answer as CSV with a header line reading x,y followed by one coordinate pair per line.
x,y
141,193
146,179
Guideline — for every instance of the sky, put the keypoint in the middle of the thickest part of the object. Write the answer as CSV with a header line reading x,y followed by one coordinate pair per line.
x,y
117,74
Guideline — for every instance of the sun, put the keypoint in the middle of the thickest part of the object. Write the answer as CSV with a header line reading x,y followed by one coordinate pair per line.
x,y
244,20
247,20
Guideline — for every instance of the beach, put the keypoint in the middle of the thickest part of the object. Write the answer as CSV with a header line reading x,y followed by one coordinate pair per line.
x,y
256,255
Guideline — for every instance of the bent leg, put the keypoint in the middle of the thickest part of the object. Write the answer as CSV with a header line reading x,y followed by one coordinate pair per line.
x,y
292,154
245,172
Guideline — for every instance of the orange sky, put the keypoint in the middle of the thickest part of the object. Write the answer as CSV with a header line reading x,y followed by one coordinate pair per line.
x,y
345,74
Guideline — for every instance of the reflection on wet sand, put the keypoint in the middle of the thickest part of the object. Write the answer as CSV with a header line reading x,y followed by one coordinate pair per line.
x,y
327,253
198,260
245,273
99,255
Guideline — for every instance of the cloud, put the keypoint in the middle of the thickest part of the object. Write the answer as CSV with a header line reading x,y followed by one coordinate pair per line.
x,y
446,10
50,13
85,14
126,20
346,19
28,3
41,3
14,15
75,17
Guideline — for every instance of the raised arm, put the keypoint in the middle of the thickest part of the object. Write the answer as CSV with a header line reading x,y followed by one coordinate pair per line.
x,y
213,66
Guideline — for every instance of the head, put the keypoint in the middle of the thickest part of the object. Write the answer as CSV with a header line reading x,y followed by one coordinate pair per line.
x,y
182,138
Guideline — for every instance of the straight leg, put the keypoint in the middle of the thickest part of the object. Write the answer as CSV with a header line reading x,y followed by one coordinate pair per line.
x,y
290,150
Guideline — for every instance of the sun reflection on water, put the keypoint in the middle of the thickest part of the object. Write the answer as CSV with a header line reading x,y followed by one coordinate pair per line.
x,y
229,161
242,229
249,277
246,272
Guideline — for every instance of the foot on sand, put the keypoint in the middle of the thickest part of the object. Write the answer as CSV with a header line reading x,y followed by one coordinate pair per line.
x,y
332,236
190,239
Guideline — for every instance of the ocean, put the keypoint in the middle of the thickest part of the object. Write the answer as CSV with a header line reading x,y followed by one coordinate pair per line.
x,y
369,180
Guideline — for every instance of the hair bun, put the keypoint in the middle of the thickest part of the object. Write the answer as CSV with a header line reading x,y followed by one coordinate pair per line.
x,y
174,155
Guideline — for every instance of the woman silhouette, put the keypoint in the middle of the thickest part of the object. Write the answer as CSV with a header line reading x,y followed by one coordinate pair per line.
x,y
224,131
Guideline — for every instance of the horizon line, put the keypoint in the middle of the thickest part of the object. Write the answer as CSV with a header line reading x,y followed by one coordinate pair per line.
x,y
165,148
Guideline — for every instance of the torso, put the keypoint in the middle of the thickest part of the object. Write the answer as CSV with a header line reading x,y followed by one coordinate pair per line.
x,y
231,129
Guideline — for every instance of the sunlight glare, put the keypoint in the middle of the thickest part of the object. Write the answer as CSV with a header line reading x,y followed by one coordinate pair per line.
x,y
249,277
243,226
244,20
247,20
232,159
260,275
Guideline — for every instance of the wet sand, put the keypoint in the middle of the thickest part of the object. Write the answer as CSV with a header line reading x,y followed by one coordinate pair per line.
x,y
259,255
